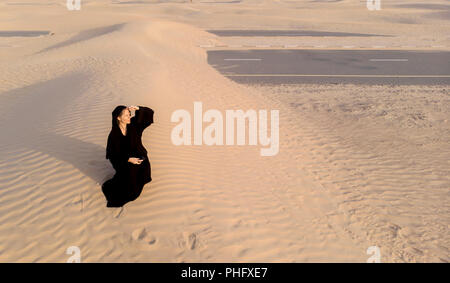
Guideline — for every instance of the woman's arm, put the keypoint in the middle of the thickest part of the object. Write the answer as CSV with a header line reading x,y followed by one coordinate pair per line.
x,y
143,117
115,153
119,163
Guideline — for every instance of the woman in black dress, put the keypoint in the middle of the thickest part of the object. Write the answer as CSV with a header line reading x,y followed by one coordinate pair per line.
x,y
127,155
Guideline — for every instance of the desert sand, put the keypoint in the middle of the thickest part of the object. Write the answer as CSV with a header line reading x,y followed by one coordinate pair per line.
x,y
358,166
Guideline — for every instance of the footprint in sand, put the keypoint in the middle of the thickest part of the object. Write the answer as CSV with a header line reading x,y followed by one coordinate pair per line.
x,y
141,234
117,212
190,240
187,240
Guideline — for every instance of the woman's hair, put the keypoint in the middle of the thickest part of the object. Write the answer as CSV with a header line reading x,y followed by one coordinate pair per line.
x,y
115,130
116,113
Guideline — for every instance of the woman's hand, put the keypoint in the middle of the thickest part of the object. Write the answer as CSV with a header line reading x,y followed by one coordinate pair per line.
x,y
133,107
135,160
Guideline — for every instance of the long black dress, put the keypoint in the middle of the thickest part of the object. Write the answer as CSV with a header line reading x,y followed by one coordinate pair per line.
x,y
129,180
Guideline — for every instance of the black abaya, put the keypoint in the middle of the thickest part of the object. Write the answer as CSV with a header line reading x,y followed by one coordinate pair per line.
x,y
129,180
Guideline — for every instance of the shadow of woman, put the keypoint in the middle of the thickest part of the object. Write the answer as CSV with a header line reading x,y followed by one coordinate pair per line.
x,y
26,120
87,157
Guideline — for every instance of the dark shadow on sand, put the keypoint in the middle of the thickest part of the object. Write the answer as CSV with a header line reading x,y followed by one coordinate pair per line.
x,y
85,35
28,124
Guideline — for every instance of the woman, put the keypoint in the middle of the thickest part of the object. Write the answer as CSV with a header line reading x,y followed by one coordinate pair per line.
x,y
127,155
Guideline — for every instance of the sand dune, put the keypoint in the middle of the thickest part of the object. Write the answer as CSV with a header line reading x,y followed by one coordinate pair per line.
x,y
353,170
194,209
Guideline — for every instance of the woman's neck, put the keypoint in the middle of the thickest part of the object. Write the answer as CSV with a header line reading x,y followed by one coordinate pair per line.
x,y
123,128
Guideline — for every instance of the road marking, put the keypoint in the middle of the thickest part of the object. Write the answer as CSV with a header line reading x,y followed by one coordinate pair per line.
x,y
388,60
231,59
356,76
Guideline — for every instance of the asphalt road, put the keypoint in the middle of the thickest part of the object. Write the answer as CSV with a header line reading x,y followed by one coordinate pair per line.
x,y
333,66
290,33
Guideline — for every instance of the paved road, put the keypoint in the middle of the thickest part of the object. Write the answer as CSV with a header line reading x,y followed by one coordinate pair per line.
x,y
333,66
293,33
23,33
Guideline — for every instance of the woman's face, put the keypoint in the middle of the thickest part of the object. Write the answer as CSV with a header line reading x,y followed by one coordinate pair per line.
x,y
125,116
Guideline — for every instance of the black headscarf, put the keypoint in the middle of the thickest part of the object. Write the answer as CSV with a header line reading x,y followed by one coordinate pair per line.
x,y
114,128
